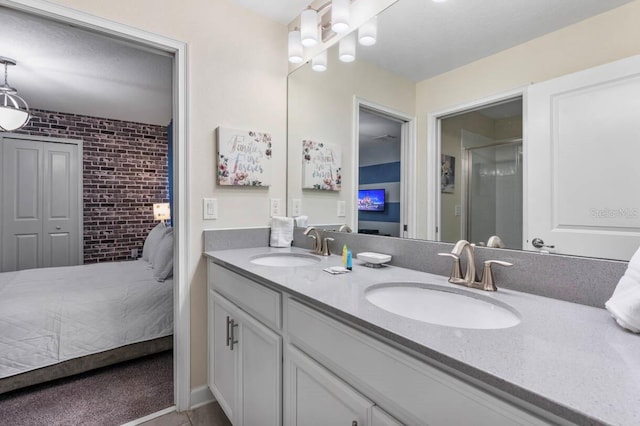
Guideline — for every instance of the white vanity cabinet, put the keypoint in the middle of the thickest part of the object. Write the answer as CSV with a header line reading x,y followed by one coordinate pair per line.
x,y
245,359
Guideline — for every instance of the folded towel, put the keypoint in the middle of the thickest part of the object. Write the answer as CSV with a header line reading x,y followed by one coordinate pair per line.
x,y
624,305
302,221
281,231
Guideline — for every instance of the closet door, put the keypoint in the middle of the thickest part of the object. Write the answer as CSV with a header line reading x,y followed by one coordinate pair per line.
x,y
22,181
40,217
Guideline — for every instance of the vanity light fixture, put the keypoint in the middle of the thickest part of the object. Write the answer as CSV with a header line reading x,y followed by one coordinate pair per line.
x,y
309,27
295,47
368,32
319,62
14,111
347,48
340,15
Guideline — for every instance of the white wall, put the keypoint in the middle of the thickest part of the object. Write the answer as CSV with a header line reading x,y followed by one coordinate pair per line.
x,y
604,38
237,69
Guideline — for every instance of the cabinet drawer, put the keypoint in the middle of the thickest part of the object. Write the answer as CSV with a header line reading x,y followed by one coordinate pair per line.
x,y
261,302
413,391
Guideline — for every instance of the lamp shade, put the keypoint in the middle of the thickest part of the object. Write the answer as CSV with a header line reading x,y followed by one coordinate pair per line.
x,y
295,47
14,111
340,15
309,27
12,118
368,32
161,211
319,62
347,48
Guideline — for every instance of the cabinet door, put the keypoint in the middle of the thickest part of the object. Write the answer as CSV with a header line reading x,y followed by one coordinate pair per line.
x,y
260,353
381,418
223,366
315,397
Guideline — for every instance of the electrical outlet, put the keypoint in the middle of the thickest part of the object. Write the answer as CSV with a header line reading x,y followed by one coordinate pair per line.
x,y
342,208
275,207
209,208
134,253
297,207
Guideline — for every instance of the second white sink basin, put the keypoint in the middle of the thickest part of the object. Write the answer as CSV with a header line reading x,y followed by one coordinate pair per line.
x,y
285,259
442,306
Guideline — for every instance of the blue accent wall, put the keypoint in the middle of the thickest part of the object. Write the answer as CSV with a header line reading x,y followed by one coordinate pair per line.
x,y
391,213
170,170
379,173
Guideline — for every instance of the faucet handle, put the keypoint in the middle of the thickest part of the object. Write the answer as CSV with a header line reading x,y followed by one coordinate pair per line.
x,y
456,271
325,246
487,282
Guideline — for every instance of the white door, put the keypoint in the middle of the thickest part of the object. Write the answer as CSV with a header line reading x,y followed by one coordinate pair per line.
x,y
315,397
582,149
40,204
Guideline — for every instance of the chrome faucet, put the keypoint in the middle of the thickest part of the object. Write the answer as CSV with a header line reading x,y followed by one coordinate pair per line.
x,y
470,277
344,228
312,232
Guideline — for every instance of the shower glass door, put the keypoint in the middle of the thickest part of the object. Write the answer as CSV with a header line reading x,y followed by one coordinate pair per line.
x,y
494,193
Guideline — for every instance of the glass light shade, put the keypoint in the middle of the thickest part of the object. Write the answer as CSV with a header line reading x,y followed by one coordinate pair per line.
x,y
368,32
12,118
340,15
295,48
309,27
319,63
161,211
347,48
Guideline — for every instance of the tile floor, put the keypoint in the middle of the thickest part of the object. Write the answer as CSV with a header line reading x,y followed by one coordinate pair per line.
x,y
207,415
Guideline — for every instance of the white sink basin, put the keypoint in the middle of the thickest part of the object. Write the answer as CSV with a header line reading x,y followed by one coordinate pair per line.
x,y
285,259
442,306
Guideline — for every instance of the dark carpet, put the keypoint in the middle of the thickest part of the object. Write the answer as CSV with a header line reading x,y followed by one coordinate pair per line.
x,y
109,396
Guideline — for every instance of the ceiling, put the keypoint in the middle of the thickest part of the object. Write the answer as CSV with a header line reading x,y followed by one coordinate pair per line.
x,y
66,69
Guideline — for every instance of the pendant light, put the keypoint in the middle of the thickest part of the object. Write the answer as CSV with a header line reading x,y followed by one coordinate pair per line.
x,y
309,27
368,32
319,62
295,47
14,111
347,48
340,15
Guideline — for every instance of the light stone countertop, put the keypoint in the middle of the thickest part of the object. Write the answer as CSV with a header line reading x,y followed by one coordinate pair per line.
x,y
569,359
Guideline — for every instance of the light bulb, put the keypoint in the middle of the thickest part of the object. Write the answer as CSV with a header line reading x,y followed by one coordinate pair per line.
x,y
347,48
309,27
340,14
319,63
295,47
368,32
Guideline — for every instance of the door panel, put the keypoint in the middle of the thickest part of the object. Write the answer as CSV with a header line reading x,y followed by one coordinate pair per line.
x,y
22,205
582,151
225,365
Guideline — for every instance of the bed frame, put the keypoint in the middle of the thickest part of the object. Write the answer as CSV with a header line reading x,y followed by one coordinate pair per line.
x,y
85,363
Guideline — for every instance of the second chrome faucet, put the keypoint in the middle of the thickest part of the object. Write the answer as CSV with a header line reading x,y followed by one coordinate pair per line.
x,y
470,277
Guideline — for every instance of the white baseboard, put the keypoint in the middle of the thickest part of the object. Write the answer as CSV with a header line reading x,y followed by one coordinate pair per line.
x,y
201,396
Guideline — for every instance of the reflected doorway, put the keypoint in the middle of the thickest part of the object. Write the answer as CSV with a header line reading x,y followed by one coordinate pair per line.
x,y
481,174
380,187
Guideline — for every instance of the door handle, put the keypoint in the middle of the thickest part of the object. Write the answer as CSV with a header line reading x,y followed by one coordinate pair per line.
x,y
58,227
538,243
232,341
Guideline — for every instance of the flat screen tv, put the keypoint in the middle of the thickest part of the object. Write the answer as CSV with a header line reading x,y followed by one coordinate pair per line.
x,y
371,200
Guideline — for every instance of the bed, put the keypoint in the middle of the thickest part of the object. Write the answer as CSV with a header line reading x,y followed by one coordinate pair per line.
x,y
60,321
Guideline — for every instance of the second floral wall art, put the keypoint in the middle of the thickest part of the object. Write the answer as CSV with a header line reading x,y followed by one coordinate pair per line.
x,y
321,166
243,157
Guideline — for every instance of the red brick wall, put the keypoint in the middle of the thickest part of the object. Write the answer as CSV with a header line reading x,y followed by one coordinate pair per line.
x,y
124,172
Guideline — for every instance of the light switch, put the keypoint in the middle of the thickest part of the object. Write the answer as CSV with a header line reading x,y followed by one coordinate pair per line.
x,y
209,208
342,208
458,210
275,207
297,207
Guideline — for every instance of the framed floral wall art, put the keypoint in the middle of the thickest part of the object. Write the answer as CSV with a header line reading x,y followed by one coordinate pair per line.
x,y
321,166
243,157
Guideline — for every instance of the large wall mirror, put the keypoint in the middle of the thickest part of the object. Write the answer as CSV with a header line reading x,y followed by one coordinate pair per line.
x,y
506,118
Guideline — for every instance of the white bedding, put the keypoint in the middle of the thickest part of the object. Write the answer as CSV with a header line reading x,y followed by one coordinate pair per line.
x,y
51,315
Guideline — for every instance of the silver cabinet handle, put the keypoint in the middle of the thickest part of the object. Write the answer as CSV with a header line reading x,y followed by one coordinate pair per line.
x,y
228,333
58,227
538,243
354,423
233,341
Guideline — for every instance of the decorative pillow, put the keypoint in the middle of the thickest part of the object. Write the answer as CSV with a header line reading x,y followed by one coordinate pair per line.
x,y
151,243
163,257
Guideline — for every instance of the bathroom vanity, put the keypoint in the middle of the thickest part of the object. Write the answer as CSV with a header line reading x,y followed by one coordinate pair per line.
x,y
295,345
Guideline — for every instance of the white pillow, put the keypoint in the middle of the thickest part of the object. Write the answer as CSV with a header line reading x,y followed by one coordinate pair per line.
x,y
163,257
151,243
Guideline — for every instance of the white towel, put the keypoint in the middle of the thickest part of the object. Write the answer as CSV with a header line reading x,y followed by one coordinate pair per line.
x,y
302,221
281,231
624,305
